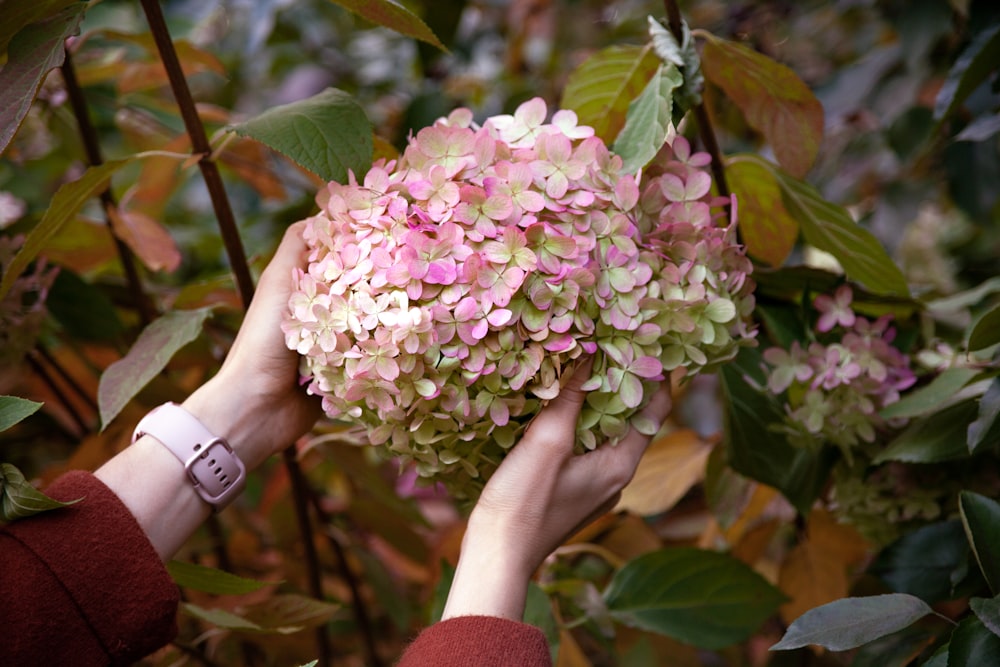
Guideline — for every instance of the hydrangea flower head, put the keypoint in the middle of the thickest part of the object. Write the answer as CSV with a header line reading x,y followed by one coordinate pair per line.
x,y
448,293
836,386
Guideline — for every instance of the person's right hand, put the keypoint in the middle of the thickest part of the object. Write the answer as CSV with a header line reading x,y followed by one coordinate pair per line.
x,y
540,495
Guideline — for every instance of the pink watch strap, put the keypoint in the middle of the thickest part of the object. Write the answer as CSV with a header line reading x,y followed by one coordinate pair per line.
x,y
217,472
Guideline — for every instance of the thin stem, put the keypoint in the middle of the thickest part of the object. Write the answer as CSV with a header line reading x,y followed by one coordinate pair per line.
x,y
92,148
361,616
199,143
300,496
54,387
238,264
67,378
705,129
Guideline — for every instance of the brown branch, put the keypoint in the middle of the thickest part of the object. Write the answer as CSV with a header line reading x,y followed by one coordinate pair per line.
x,y
92,149
300,495
200,145
705,130
67,378
241,270
361,615
54,387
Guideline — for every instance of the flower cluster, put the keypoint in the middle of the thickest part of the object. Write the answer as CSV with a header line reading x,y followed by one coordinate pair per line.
x,y
447,293
22,309
836,389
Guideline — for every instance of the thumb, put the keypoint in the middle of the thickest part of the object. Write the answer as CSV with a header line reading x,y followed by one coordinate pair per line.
x,y
557,420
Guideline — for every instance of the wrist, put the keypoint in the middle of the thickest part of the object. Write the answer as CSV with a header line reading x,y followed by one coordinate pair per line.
x,y
490,580
230,412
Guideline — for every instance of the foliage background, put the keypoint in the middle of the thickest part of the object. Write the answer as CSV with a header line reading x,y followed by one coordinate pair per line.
x,y
926,190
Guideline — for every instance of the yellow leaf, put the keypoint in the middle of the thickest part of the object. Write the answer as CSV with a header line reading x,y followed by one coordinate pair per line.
x,y
837,538
631,537
816,571
570,653
755,543
668,470
810,577
759,504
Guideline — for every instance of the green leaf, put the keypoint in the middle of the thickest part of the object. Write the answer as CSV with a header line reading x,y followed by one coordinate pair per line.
x,y
394,16
212,580
988,612
773,99
328,134
602,87
768,231
84,311
648,120
971,69
20,13
704,598
285,614
756,449
939,658
830,228
149,355
981,518
279,614
922,562
66,203
986,330
441,591
973,645
31,53
13,409
989,409
931,396
19,499
848,623
897,649
538,612
937,437
967,298
220,618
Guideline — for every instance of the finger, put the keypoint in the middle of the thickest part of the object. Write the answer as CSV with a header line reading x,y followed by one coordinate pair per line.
x,y
631,448
288,256
557,420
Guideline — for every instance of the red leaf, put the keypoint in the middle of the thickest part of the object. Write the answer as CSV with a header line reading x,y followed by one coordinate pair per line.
x,y
32,52
147,238
773,98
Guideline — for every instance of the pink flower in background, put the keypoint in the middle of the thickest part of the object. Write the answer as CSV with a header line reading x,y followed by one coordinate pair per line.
x,y
835,310
838,384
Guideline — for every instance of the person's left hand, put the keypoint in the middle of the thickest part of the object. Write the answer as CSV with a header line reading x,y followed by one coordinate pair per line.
x,y
539,496
255,401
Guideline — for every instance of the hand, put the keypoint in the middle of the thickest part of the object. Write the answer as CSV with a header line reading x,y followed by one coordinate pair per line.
x,y
255,400
540,495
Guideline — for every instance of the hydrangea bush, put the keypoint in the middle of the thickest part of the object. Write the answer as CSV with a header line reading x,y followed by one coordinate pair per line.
x,y
448,293
835,387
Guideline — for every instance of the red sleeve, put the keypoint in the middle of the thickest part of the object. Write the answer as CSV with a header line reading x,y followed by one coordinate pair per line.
x,y
478,641
82,585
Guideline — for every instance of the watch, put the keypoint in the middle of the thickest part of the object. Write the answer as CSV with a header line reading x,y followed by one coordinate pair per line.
x,y
216,471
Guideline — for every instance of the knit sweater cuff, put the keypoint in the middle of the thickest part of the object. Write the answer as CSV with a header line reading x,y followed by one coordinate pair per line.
x,y
478,641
